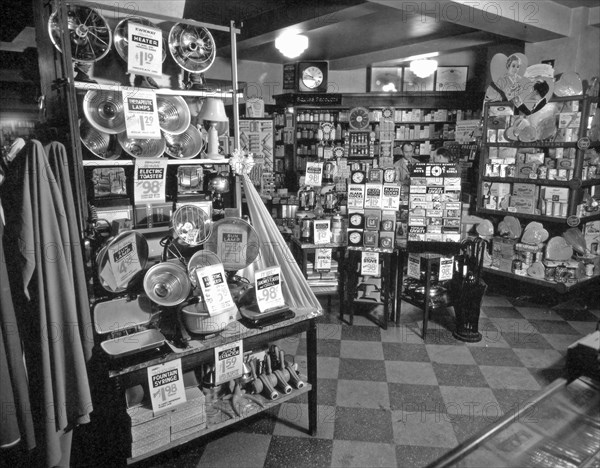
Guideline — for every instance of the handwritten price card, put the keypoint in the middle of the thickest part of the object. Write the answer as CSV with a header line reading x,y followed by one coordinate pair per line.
x,y
165,382
322,228
141,115
369,265
124,261
214,287
314,173
144,55
229,362
268,289
149,181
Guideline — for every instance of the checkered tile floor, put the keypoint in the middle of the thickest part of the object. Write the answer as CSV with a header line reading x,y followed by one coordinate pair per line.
x,y
387,398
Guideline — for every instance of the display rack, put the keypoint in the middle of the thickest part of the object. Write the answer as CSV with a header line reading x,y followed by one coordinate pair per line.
x,y
554,194
118,374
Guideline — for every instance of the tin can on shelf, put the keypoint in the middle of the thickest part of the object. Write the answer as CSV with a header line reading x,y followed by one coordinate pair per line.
x,y
516,265
552,174
589,269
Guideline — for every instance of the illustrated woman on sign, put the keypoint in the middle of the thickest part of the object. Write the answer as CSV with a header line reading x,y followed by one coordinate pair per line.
x,y
509,82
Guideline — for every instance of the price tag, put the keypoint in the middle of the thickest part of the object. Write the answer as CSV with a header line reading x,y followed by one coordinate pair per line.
x,y
268,289
165,382
123,259
214,287
149,180
229,362
446,268
323,259
322,228
369,265
314,173
414,266
356,196
141,115
144,54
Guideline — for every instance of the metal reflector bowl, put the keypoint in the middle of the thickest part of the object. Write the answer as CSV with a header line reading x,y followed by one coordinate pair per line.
x,y
173,114
185,145
104,110
167,284
192,47
121,36
191,225
89,33
101,144
235,242
201,259
142,147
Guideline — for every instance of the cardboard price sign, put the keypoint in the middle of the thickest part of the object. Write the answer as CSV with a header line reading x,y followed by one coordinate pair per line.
x,y
165,382
215,291
268,289
446,268
314,173
369,264
124,261
144,52
149,181
141,115
323,259
229,362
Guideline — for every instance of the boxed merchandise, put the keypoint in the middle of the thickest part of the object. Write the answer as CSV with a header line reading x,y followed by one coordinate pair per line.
x,y
557,194
153,215
372,219
522,205
525,190
386,239
371,238
388,221
373,195
526,171
356,195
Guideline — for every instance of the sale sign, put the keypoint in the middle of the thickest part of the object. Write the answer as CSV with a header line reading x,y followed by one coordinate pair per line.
x,y
268,289
141,114
215,290
165,383
144,53
229,360
149,181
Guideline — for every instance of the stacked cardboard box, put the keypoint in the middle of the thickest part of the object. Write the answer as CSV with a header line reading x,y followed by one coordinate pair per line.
x,y
190,416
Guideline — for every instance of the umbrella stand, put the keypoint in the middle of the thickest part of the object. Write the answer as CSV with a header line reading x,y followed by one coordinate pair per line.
x,y
467,308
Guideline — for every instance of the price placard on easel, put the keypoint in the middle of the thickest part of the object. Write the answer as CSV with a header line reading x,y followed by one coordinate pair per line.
x,y
165,382
149,181
446,268
314,173
369,265
215,291
141,115
322,228
123,259
268,289
229,362
144,54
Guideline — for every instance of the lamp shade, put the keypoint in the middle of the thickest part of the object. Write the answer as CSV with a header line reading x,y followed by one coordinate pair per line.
x,y
213,109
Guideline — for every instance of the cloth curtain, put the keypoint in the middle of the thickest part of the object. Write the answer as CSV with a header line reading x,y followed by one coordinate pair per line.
x,y
39,240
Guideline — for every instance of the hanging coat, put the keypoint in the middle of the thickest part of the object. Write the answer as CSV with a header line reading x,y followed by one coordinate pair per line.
x,y
38,239
17,424
57,157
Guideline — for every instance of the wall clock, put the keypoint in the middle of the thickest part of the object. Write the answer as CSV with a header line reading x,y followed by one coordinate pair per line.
x,y
358,118
358,177
312,76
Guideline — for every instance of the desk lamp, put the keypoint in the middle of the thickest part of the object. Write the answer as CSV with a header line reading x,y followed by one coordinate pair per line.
x,y
212,115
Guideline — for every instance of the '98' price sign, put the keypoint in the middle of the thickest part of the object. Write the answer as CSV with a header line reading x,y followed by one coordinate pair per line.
x,y
268,289
149,180
141,115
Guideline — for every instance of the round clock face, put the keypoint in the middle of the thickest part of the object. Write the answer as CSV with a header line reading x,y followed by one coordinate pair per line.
x,y
354,237
358,177
338,151
312,77
355,220
389,175
359,118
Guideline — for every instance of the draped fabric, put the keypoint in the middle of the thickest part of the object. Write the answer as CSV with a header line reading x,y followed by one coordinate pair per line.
x,y
274,251
57,157
16,424
39,241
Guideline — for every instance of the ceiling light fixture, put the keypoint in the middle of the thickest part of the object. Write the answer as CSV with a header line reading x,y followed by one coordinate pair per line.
x,y
423,68
291,44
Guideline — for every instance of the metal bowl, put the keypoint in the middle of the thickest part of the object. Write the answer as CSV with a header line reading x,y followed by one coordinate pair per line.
x,y
191,225
104,110
167,284
142,148
173,114
101,144
185,145
192,47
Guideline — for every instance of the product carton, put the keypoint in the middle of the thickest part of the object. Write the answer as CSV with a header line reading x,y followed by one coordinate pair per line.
x,y
560,194
522,205
525,190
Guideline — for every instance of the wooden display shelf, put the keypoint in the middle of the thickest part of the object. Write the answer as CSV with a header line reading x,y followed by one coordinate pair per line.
x,y
534,217
211,427
558,287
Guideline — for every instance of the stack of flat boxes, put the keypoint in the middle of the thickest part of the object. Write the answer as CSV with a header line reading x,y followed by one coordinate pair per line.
x,y
149,432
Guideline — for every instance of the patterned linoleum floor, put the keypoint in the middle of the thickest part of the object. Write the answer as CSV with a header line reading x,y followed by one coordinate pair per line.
x,y
388,398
